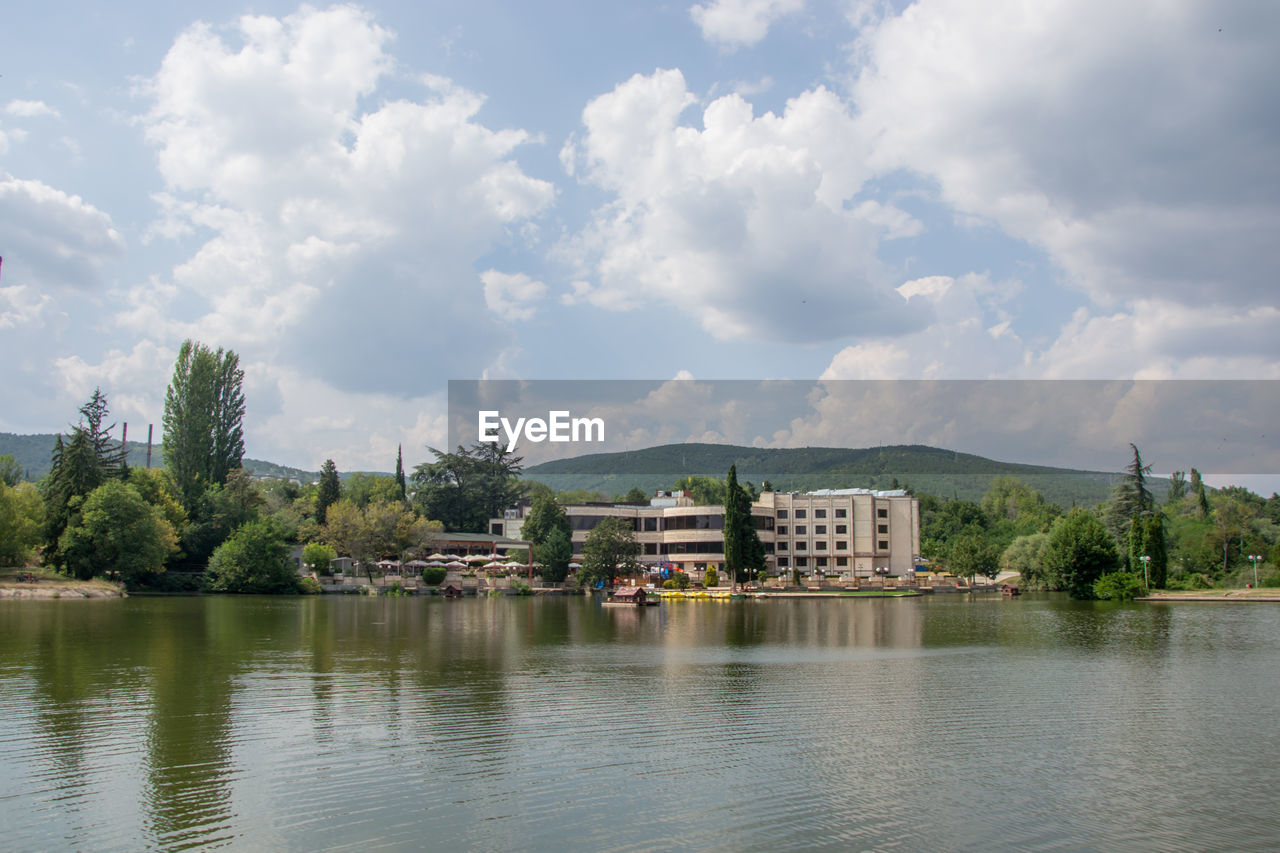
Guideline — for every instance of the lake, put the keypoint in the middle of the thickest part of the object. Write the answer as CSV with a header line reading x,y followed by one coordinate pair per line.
x,y
352,723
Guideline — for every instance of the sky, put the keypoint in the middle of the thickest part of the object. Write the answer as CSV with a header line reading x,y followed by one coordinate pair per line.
x,y
365,201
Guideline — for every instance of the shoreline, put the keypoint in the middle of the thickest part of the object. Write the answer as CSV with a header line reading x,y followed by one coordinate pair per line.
x,y
1224,595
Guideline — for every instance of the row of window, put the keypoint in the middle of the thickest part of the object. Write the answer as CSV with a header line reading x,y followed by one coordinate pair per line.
x,y
818,562
821,545
821,529
841,512
652,524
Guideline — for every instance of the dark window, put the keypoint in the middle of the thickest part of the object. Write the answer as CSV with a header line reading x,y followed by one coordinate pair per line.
x,y
842,562
495,529
802,530
842,513
819,530
800,546
819,513
884,545
822,562
782,530
584,522
801,562
842,529
783,562
882,528
842,545
820,545
882,513
651,548
759,522
651,524
800,513
782,513
782,546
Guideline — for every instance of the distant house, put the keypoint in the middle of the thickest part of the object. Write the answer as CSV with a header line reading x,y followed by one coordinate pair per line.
x,y
341,564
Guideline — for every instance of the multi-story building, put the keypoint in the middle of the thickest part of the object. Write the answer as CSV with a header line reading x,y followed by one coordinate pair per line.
x,y
850,532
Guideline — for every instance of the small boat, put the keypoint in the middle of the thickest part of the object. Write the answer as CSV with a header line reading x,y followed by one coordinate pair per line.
x,y
1009,590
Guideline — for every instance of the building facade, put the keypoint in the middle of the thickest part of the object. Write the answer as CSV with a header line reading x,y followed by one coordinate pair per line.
x,y
848,532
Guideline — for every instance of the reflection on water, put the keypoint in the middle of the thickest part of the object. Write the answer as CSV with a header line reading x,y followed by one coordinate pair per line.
x,y
348,723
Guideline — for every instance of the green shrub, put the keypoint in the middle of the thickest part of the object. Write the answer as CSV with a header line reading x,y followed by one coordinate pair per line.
x,y
521,588
669,584
308,586
434,575
711,578
1118,586
795,577
255,558
761,577
682,580
319,555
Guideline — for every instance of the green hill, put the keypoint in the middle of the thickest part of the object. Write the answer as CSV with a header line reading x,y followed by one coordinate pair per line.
x,y
33,453
941,472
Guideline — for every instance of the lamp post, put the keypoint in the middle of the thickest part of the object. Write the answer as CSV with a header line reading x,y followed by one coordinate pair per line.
x,y
1254,558
1146,561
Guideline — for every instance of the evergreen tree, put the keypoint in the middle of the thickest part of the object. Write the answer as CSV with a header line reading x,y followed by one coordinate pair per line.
x,y
555,554
1197,490
400,471
330,490
203,410
743,550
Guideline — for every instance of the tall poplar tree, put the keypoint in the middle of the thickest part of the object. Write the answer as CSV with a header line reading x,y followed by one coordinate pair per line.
x,y
400,471
743,551
203,411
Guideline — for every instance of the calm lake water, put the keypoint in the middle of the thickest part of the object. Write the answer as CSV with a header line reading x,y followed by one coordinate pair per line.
x,y
346,723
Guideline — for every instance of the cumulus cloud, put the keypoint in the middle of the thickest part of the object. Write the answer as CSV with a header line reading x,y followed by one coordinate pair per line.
x,y
511,297
335,234
740,23
53,240
748,224
1134,144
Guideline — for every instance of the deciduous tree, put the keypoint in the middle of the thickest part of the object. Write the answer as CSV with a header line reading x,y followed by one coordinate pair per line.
x,y
1080,550
117,533
610,549
203,413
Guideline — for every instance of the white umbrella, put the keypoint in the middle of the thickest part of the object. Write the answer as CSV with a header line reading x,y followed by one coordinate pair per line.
x,y
434,563
454,564
476,558
575,565
495,565
439,556
513,565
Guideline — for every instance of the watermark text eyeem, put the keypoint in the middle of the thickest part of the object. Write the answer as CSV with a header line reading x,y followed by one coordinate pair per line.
x,y
558,427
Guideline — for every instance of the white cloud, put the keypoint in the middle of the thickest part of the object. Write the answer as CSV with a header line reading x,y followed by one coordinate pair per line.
x,y
739,23
341,236
1135,143
746,224
30,109
52,239
511,297
1159,339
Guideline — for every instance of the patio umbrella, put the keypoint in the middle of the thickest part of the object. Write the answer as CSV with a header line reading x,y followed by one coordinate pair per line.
x,y
455,564
476,558
434,563
575,565
439,556
513,565
495,565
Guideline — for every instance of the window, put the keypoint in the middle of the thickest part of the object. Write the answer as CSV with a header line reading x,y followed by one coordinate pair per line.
x,y
651,549
842,545
842,529
801,530
882,512
783,562
822,562
782,530
800,513
820,545
800,546
495,529
650,524
819,513
782,546
801,562
842,562
883,545
882,528
782,513
842,513
819,530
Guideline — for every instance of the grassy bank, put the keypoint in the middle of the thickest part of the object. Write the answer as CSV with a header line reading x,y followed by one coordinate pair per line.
x,y
46,583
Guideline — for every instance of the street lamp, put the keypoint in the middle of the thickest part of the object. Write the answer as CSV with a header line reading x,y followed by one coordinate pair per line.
x,y
1254,558
1146,561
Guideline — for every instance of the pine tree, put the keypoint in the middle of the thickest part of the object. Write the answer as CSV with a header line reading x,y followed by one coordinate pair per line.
x,y
330,490
743,550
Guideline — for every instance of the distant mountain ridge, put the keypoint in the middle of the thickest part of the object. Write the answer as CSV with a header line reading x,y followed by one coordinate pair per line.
x,y
34,453
946,473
